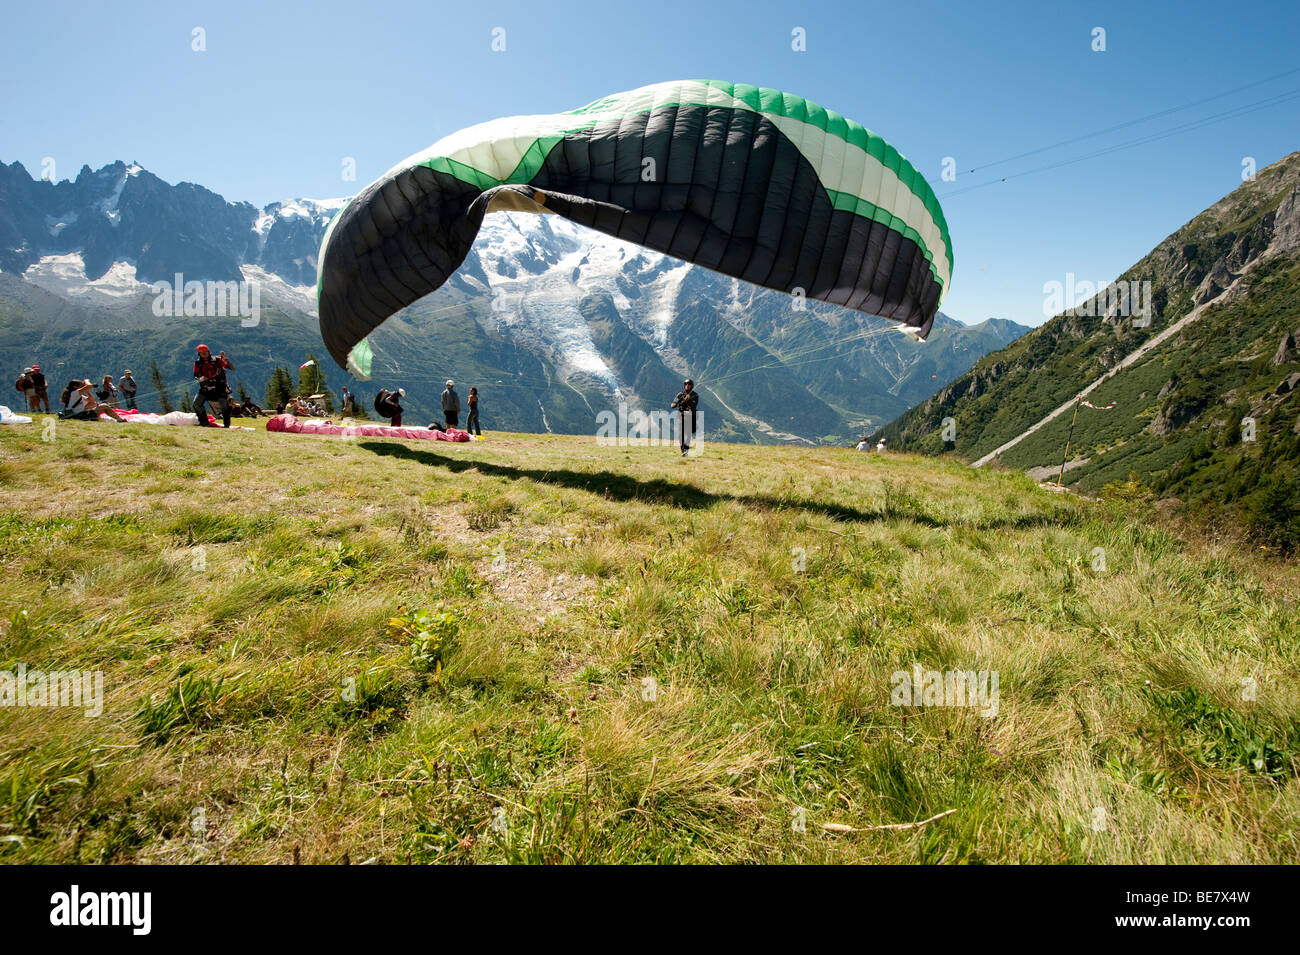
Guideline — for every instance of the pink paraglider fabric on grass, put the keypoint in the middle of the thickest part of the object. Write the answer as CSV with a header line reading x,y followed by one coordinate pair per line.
x,y
292,425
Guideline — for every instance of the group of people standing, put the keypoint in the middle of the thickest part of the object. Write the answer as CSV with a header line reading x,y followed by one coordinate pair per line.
x,y
34,387
451,409
81,398
389,405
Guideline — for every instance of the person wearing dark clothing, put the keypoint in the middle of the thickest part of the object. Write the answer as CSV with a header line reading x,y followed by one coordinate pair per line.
x,y
471,419
128,387
451,404
41,388
687,400
211,374
349,403
387,403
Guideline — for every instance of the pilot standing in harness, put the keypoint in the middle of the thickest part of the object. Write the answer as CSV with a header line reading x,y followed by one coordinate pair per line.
x,y
211,373
687,401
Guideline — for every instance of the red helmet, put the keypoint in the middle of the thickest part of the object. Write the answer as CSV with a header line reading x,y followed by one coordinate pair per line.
x,y
201,348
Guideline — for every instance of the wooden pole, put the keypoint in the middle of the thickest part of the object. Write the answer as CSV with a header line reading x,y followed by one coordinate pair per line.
x,y
1065,457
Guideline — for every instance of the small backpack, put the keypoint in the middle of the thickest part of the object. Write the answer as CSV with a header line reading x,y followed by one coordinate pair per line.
x,y
381,403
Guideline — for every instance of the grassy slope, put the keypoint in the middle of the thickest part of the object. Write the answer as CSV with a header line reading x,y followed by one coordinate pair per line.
x,y
1218,370
1120,689
1041,370
1223,364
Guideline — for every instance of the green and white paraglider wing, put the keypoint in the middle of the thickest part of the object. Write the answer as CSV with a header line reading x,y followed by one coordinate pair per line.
x,y
750,182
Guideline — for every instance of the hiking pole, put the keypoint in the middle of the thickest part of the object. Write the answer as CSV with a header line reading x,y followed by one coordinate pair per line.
x,y
1065,457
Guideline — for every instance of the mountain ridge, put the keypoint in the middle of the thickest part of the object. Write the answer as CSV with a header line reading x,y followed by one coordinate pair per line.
x,y
1203,392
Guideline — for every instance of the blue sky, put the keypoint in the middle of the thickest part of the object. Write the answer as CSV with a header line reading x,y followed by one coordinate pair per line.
x,y
285,92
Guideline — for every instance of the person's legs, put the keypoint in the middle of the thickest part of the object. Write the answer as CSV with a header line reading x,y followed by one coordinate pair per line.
x,y
397,420
452,418
45,398
201,410
471,423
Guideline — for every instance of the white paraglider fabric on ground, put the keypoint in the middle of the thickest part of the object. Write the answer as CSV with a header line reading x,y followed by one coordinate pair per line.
x,y
8,417
172,417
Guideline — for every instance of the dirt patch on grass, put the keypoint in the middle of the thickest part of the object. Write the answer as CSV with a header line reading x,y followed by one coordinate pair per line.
x,y
525,584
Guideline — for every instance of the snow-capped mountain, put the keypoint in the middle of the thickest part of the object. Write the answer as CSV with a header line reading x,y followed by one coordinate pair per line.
x,y
124,220
553,321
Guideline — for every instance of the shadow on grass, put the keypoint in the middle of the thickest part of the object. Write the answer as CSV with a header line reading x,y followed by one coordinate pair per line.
x,y
625,487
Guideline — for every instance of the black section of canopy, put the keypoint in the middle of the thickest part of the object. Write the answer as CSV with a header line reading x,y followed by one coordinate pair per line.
x,y
719,187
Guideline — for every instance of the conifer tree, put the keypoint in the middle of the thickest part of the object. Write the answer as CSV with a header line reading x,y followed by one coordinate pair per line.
x,y
164,399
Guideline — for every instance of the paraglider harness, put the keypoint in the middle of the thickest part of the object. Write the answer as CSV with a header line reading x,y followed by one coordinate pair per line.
x,y
211,373
386,403
213,387
687,402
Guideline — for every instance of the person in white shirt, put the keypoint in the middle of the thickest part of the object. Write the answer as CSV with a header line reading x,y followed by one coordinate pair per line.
x,y
83,400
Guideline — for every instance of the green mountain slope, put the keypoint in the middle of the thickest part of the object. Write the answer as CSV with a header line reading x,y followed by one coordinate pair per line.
x,y
1209,415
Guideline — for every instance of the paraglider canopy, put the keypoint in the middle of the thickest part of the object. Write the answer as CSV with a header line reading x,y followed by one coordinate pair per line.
x,y
751,182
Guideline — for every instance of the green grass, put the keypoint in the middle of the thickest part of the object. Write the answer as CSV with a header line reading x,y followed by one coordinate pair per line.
x,y
535,649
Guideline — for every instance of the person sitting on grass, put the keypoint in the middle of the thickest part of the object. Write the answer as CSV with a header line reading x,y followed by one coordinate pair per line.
x,y
107,393
82,404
